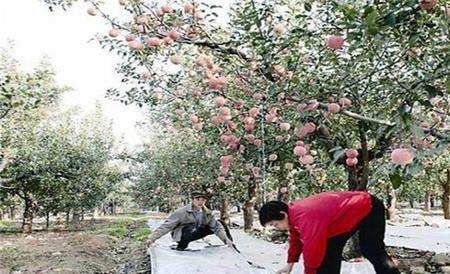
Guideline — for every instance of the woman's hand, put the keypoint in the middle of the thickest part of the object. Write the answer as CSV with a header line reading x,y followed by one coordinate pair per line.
x,y
286,269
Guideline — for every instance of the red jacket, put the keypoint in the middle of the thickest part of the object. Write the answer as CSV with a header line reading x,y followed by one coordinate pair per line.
x,y
315,219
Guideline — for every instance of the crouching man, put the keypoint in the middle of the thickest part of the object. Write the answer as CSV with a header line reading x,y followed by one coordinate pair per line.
x,y
320,225
191,223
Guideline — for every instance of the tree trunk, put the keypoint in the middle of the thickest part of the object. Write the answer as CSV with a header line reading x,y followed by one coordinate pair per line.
x,y
112,208
82,214
224,210
76,217
1,214
355,182
446,196
432,204
67,217
356,179
446,204
12,212
27,223
238,209
427,201
249,206
411,203
358,175
391,206
47,220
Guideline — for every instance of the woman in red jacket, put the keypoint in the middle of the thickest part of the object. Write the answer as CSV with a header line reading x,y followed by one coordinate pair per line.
x,y
320,225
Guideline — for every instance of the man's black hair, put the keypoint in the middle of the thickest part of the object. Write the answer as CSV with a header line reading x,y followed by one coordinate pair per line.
x,y
271,211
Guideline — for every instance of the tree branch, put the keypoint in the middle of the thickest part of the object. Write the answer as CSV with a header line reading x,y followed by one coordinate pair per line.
x,y
352,114
211,45
3,163
364,118
375,71
3,115
365,152
216,46
258,22
382,144
6,181
324,135
438,133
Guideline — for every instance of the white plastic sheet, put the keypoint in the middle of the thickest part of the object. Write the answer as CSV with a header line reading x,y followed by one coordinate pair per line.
x,y
200,258
223,260
207,260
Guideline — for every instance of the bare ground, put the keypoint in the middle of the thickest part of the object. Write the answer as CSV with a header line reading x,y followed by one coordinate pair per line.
x,y
106,245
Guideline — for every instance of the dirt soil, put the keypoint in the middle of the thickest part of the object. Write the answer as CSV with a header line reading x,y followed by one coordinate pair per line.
x,y
89,251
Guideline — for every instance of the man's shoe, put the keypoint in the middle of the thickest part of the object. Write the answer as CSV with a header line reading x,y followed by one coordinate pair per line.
x,y
175,247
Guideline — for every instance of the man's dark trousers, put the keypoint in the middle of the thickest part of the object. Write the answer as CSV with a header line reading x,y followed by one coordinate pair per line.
x,y
192,233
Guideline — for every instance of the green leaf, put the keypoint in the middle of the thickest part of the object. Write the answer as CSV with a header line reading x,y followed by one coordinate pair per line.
x,y
396,180
412,3
433,91
350,12
391,20
335,149
426,103
373,30
414,168
368,10
307,6
371,21
417,130
406,118
338,154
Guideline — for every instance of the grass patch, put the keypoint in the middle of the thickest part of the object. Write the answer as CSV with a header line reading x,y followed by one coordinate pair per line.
x,y
141,233
9,227
7,224
134,215
117,230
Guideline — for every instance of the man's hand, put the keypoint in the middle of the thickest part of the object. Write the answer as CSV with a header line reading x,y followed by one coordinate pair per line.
x,y
150,243
286,269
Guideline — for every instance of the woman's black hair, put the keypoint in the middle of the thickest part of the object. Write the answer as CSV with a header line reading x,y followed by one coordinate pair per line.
x,y
271,211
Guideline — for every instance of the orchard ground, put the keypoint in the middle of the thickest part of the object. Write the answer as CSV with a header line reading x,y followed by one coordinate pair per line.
x,y
108,244
116,244
419,242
